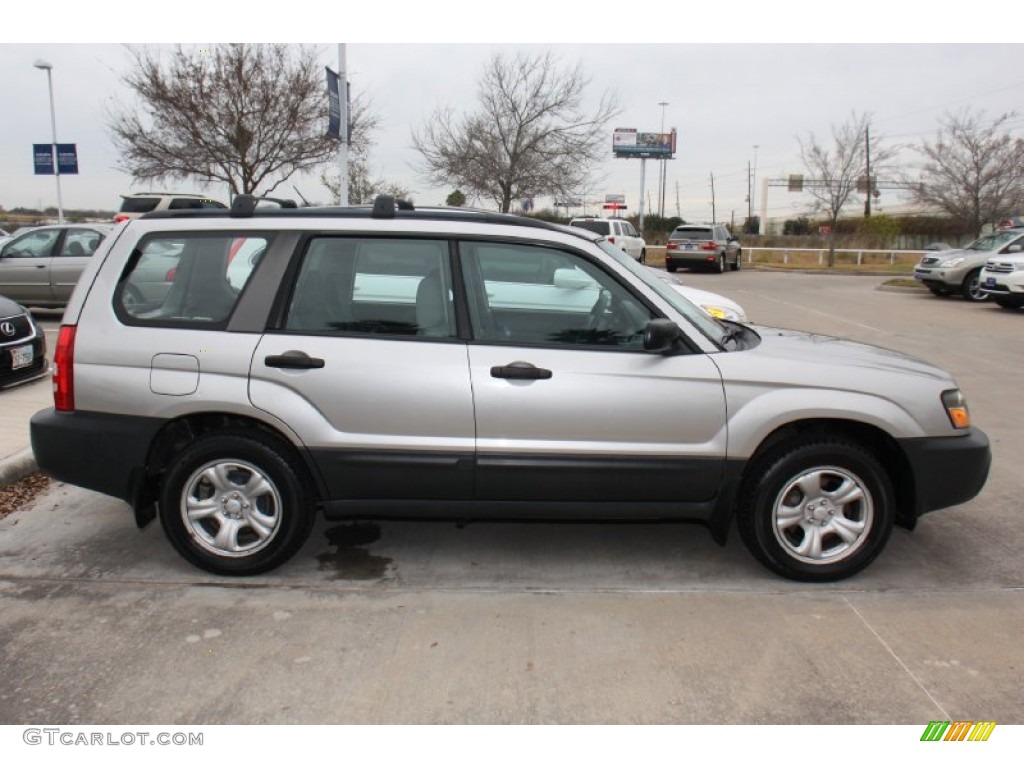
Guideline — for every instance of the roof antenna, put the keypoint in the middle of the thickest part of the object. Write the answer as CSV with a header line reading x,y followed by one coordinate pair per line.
x,y
305,202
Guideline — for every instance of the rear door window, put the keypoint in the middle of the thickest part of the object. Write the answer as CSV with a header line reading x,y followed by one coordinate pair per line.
x,y
378,286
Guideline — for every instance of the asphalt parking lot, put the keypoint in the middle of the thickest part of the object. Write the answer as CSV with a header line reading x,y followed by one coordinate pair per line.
x,y
534,623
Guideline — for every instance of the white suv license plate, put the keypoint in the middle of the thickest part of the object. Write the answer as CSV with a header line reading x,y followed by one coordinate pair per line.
x,y
21,357
990,281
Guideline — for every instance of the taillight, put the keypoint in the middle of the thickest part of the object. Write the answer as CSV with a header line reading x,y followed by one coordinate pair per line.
x,y
63,369
672,246
612,240
709,246
169,277
121,217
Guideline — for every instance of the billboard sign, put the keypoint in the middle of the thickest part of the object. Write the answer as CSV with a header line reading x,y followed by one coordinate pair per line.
x,y
628,142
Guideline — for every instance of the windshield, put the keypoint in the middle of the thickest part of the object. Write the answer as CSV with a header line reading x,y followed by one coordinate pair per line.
x,y
594,225
707,325
994,242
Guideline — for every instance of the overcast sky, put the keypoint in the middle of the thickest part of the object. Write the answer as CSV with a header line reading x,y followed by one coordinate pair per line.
x,y
723,98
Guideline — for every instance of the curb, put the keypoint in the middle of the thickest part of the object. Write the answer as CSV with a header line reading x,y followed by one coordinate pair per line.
x,y
17,467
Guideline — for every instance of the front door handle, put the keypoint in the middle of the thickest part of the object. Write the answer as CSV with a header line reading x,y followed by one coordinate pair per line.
x,y
293,359
520,370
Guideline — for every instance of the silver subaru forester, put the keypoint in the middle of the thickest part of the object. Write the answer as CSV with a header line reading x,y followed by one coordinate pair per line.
x,y
233,373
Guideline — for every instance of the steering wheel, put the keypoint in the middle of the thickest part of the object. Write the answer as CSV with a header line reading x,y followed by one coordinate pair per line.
x,y
604,300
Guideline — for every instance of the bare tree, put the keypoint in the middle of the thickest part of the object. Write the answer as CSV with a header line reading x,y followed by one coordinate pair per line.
x,y
974,170
837,171
362,187
530,135
247,115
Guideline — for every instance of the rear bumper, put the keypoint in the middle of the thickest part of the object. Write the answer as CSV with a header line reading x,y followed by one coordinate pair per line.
x,y
947,470
99,451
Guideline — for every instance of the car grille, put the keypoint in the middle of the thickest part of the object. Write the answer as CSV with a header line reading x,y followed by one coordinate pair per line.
x,y
21,326
1000,267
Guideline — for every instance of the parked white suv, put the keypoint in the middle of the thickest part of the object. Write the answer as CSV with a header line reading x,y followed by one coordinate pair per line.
x,y
468,365
1002,279
138,203
619,233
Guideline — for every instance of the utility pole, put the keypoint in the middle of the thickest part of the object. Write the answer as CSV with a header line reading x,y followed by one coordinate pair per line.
x,y
867,166
714,218
343,144
750,202
663,178
679,211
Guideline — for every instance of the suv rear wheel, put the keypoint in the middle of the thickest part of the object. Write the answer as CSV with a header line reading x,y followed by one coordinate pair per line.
x,y
720,267
232,504
816,509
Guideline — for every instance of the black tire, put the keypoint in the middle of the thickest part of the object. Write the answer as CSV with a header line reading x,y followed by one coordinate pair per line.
x,y
940,291
264,510
805,545
670,267
720,266
735,266
971,287
643,256
1008,303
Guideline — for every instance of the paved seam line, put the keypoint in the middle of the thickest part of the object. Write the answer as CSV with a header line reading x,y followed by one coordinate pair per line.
x,y
826,314
945,715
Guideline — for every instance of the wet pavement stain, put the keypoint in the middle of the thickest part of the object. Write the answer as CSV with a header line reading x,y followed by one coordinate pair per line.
x,y
347,559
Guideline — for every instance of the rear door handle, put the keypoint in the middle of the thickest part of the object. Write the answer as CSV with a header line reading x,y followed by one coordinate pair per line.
x,y
520,370
293,359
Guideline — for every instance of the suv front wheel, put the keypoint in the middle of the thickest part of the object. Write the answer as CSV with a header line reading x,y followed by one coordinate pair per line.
x,y
232,504
816,509
971,287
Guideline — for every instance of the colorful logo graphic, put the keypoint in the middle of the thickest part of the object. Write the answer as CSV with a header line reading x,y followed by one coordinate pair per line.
x,y
958,730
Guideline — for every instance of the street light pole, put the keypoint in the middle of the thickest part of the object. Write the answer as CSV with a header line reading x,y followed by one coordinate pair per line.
x,y
40,64
753,186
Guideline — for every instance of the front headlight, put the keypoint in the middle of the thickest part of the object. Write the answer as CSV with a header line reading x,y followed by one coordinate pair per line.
x,y
956,408
953,262
1018,266
723,313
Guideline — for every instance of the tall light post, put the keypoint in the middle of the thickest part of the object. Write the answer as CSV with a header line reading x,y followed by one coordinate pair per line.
x,y
41,64
664,168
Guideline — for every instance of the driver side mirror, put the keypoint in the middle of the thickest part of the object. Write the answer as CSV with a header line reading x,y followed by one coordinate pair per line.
x,y
662,336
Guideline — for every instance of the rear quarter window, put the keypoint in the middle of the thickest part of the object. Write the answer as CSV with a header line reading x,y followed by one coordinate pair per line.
x,y
139,204
187,279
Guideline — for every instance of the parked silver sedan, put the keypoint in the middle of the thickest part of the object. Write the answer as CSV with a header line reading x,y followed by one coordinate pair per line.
x,y
40,267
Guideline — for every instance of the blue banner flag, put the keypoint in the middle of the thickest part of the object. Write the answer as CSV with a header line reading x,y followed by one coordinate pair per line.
x,y
67,159
333,104
42,159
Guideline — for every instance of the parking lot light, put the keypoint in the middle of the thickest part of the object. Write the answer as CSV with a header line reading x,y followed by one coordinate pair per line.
x,y
42,64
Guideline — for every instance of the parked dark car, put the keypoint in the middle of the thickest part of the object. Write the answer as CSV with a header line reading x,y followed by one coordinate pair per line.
x,y
22,345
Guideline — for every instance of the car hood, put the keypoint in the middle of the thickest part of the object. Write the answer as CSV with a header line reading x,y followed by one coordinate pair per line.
x,y
9,308
811,358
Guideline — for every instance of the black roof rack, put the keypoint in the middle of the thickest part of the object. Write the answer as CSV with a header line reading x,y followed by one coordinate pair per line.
x,y
384,206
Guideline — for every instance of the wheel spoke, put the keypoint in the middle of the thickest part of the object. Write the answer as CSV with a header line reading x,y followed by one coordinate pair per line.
x,y
847,493
786,517
846,529
227,536
811,545
257,486
261,526
200,509
217,476
810,484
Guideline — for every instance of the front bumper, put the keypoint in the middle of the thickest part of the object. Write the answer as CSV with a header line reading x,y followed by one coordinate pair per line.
x,y
952,277
947,470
